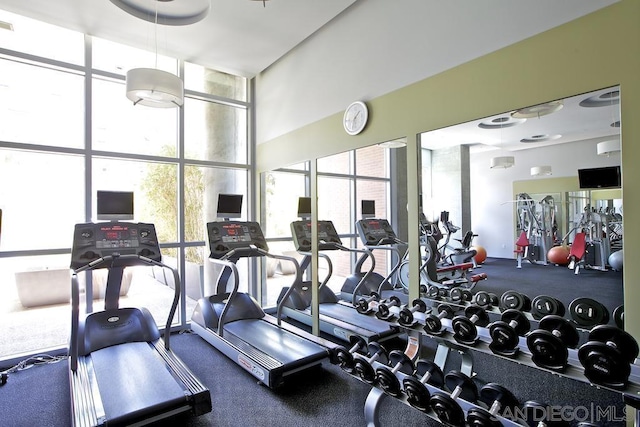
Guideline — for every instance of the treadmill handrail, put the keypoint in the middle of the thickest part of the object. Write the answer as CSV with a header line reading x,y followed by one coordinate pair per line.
x,y
291,288
99,263
227,262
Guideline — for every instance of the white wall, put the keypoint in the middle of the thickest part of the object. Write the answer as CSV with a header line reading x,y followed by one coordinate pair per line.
x,y
378,46
492,216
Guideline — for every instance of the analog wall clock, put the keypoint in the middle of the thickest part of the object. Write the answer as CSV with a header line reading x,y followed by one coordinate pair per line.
x,y
355,117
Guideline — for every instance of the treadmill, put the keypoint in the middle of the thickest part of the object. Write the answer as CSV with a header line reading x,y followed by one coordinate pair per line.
x,y
234,323
121,371
337,318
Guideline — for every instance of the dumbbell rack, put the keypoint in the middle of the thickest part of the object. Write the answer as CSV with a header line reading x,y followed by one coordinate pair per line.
x,y
446,343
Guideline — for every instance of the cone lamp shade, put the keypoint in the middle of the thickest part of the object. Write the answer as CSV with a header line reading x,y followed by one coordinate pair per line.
x,y
154,88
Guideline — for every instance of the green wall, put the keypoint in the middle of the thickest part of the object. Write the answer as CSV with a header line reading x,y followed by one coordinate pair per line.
x,y
596,51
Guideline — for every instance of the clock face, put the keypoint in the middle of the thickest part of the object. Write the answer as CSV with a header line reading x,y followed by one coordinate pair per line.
x,y
355,117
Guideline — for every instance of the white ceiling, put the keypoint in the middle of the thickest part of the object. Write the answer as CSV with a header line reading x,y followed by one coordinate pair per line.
x,y
241,37
571,123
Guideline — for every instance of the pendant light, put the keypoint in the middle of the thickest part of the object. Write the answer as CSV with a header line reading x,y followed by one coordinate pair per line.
x,y
152,87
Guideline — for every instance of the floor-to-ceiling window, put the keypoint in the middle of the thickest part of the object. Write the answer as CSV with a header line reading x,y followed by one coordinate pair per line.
x,y
67,130
344,180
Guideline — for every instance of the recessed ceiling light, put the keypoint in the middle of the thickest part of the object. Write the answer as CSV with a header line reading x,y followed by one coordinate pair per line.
x,y
537,110
540,138
6,25
500,122
170,12
603,100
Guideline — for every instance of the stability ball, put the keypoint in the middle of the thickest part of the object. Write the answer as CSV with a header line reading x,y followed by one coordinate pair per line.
x,y
615,260
558,255
481,254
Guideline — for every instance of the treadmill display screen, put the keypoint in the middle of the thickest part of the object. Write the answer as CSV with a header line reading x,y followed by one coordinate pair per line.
x,y
117,236
327,234
376,232
244,238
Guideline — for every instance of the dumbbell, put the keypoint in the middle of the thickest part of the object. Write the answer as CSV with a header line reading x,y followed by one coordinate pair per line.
x,y
362,364
543,305
608,355
587,312
497,399
515,300
464,327
383,312
550,342
386,378
433,324
460,296
486,299
537,415
618,316
363,303
405,318
345,357
505,333
428,373
445,406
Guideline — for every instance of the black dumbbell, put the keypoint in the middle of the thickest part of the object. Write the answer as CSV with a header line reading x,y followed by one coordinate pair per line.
x,y
460,296
543,305
550,342
464,327
515,300
587,312
345,357
618,316
497,399
486,299
386,378
536,414
445,406
383,312
608,355
427,372
363,305
505,333
433,324
405,318
435,292
362,364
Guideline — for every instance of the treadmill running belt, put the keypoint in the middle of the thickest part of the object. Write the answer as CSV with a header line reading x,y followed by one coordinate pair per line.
x,y
133,381
280,344
351,316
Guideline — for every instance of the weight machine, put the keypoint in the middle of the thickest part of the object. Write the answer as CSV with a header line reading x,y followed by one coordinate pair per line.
x,y
538,221
591,245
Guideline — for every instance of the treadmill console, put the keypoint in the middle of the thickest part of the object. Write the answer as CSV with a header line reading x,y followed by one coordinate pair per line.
x,y
95,240
242,236
327,234
376,232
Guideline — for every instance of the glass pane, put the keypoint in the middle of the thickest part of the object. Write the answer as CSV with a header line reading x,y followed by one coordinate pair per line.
x,y
120,126
334,202
338,163
201,79
281,202
154,186
36,187
34,302
38,38
57,115
119,58
279,273
341,261
202,186
373,190
215,132
372,161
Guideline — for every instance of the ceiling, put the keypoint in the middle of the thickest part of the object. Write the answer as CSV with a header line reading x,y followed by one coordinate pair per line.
x,y
241,37
585,117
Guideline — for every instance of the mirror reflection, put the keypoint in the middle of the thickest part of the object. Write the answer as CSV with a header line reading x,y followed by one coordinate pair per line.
x,y
539,190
